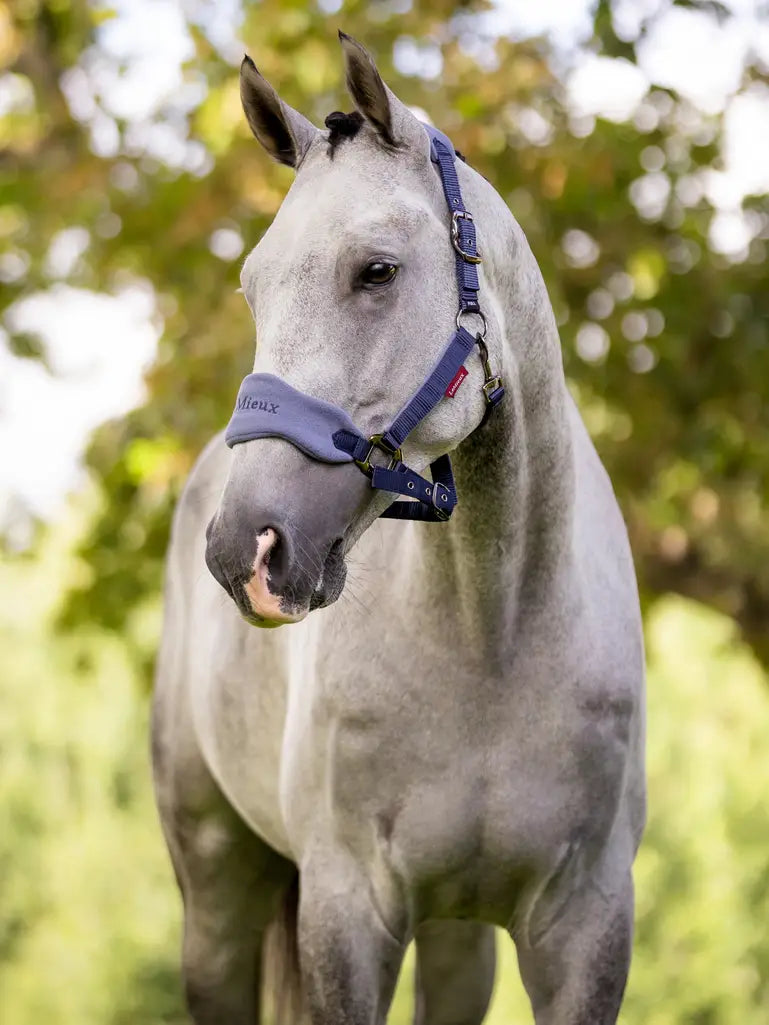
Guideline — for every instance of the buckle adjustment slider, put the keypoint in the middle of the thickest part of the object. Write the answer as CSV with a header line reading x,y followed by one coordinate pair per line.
x,y
377,441
456,239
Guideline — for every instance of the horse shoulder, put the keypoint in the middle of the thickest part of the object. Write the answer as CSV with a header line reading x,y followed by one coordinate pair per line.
x,y
220,685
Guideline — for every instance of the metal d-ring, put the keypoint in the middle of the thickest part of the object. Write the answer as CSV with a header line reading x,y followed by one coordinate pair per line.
x,y
477,313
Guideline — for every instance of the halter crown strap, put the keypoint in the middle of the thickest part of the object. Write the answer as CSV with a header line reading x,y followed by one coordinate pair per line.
x,y
269,407
462,226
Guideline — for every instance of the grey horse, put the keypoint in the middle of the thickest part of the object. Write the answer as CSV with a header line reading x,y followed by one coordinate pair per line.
x,y
459,745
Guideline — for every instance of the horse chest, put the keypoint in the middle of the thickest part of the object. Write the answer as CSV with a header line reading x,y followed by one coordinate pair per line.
x,y
463,829
455,792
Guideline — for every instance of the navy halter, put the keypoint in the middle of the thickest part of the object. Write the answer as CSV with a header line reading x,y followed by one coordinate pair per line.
x,y
268,407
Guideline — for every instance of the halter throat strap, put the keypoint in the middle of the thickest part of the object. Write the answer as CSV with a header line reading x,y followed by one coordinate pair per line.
x,y
269,407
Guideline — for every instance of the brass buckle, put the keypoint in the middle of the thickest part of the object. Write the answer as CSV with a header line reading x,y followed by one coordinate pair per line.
x,y
455,241
491,380
376,441
441,513
489,386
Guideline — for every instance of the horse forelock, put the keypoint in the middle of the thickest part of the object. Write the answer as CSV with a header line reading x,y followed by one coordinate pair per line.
x,y
342,126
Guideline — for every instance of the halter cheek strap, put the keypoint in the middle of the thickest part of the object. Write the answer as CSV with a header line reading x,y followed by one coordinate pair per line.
x,y
268,407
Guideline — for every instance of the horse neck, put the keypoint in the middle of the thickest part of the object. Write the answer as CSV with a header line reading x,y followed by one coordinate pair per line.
x,y
508,544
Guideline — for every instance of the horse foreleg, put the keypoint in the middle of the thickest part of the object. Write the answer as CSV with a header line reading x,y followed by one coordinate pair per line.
x,y
350,960
231,884
576,968
455,972
230,898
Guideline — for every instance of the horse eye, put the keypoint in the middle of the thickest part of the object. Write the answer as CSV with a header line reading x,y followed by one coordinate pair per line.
x,y
378,273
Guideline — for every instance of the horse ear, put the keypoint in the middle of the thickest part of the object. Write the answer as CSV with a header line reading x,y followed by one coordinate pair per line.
x,y
393,121
284,132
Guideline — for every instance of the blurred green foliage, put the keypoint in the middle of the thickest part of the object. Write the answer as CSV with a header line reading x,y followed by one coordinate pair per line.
x,y
89,912
88,905
678,403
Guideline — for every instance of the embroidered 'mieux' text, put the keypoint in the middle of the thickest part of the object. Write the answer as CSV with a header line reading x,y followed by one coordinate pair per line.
x,y
249,402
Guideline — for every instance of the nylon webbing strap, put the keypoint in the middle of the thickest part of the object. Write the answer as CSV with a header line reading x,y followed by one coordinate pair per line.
x,y
356,445
432,391
437,498
462,222
434,499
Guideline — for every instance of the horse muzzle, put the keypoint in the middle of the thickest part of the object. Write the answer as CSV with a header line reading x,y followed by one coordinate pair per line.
x,y
276,543
276,576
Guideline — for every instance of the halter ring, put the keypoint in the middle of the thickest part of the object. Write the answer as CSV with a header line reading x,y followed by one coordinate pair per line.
x,y
477,313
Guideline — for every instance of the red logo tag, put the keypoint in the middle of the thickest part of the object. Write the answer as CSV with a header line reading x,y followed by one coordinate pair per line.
x,y
457,379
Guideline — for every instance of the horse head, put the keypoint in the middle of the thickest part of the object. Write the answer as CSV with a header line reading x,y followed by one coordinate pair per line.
x,y
355,289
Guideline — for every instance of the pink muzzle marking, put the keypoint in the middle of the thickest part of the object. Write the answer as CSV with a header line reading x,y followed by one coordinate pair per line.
x,y
264,602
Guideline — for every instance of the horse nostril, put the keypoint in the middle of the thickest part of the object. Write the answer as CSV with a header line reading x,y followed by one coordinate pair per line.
x,y
270,558
276,560
268,580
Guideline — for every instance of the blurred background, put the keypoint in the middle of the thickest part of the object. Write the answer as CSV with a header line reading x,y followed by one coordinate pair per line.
x,y
631,140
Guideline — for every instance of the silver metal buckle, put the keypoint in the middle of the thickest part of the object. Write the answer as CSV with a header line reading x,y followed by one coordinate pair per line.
x,y
455,240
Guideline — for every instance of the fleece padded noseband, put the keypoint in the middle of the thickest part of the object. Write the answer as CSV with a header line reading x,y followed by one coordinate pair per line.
x,y
268,407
